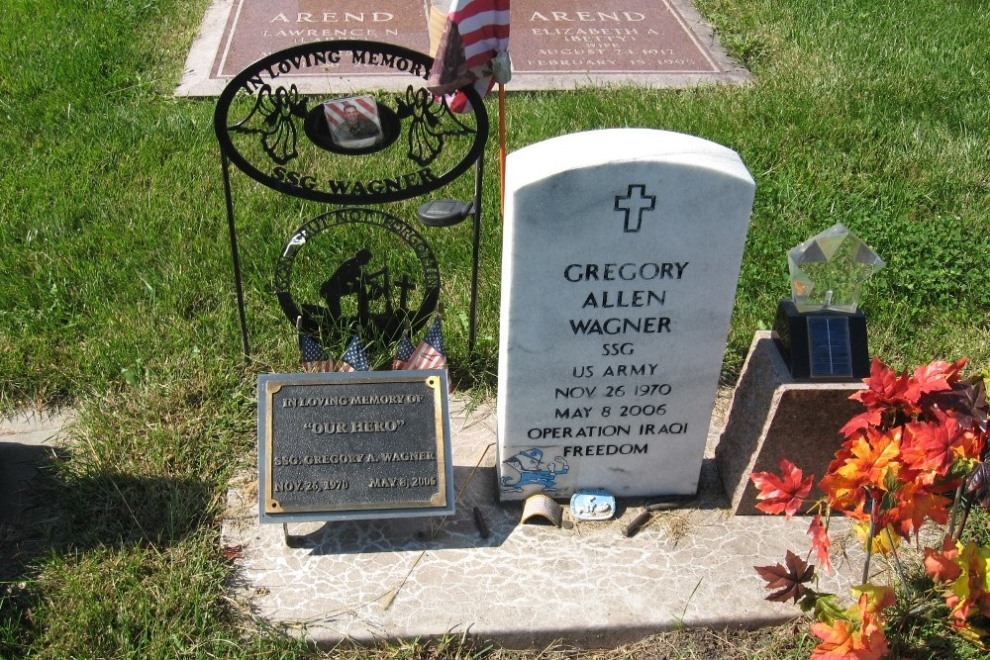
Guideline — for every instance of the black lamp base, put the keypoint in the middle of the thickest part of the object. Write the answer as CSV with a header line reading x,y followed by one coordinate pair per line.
x,y
822,346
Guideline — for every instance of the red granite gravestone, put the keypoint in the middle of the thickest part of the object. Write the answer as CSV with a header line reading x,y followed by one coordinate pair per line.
x,y
642,36
555,44
256,28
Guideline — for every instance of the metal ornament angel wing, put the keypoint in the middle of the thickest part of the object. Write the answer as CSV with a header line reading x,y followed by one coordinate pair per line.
x,y
272,118
431,123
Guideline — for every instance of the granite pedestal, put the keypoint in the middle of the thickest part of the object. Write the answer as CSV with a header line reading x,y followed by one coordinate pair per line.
x,y
774,417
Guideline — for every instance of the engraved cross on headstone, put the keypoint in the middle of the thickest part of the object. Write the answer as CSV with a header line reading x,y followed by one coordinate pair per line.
x,y
628,204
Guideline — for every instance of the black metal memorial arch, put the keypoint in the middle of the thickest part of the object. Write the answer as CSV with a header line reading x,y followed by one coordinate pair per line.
x,y
350,150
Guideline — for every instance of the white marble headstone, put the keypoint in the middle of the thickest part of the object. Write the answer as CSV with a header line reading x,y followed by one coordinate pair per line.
x,y
621,253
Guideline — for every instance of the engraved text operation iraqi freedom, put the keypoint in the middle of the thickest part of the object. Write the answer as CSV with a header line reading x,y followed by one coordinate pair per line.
x,y
628,407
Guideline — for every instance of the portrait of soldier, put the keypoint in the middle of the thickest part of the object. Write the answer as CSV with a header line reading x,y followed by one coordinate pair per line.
x,y
353,121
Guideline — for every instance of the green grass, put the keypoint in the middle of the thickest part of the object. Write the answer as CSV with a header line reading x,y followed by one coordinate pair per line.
x,y
117,297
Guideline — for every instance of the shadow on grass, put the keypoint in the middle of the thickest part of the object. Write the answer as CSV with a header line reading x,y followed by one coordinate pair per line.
x,y
49,505
50,508
111,509
27,521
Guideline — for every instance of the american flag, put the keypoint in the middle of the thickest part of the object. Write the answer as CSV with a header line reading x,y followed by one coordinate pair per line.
x,y
404,351
314,358
474,33
354,358
430,353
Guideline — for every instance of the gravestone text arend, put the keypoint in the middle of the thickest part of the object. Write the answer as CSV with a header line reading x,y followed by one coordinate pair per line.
x,y
620,258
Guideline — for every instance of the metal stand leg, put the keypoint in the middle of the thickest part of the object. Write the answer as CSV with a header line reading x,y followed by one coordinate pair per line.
x,y
234,255
472,329
290,540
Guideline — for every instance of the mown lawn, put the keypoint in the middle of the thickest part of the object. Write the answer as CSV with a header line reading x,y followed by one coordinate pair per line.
x,y
116,296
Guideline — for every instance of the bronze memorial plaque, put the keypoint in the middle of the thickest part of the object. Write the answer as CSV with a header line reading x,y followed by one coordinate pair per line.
x,y
554,44
349,446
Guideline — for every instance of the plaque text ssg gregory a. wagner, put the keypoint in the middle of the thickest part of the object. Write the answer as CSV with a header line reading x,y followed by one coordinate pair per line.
x,y
354,446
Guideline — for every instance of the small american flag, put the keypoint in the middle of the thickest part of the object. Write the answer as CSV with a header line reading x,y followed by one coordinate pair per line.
x,y
475,31
430,352
403,353
314,358
354,358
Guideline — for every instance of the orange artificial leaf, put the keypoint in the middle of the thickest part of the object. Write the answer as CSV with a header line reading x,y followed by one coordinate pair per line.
x,y
784,494
961,571
845,494
841,642
788,579
873,600
820,542
836,640
942,566
933,446
967,449
856,640
871,642
914,505
873,455
971,586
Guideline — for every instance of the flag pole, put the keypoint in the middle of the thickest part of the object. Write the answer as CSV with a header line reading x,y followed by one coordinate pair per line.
x,y
501,148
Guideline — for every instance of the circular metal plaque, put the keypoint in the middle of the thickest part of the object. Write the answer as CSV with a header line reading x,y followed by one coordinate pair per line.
x,y
281,138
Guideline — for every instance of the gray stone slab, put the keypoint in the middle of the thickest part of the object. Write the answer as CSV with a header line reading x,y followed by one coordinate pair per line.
x,y
524,585
554,45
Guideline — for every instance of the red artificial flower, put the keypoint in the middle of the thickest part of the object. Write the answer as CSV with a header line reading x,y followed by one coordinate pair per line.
x,y
782,494
884,387
936,376
820,542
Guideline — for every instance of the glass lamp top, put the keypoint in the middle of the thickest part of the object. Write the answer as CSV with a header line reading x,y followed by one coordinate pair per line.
x,y
828,270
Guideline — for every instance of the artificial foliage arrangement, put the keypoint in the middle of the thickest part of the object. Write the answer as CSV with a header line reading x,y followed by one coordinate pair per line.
x,y
918,453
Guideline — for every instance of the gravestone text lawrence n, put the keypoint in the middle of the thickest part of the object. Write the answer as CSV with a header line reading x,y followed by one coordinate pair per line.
x,y
621,253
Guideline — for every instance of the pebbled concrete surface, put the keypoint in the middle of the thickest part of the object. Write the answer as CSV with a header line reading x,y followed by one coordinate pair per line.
x,y
524,585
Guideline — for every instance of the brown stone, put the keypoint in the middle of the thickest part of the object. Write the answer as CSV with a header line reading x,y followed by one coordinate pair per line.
x,y
257,28
772,417
586,36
